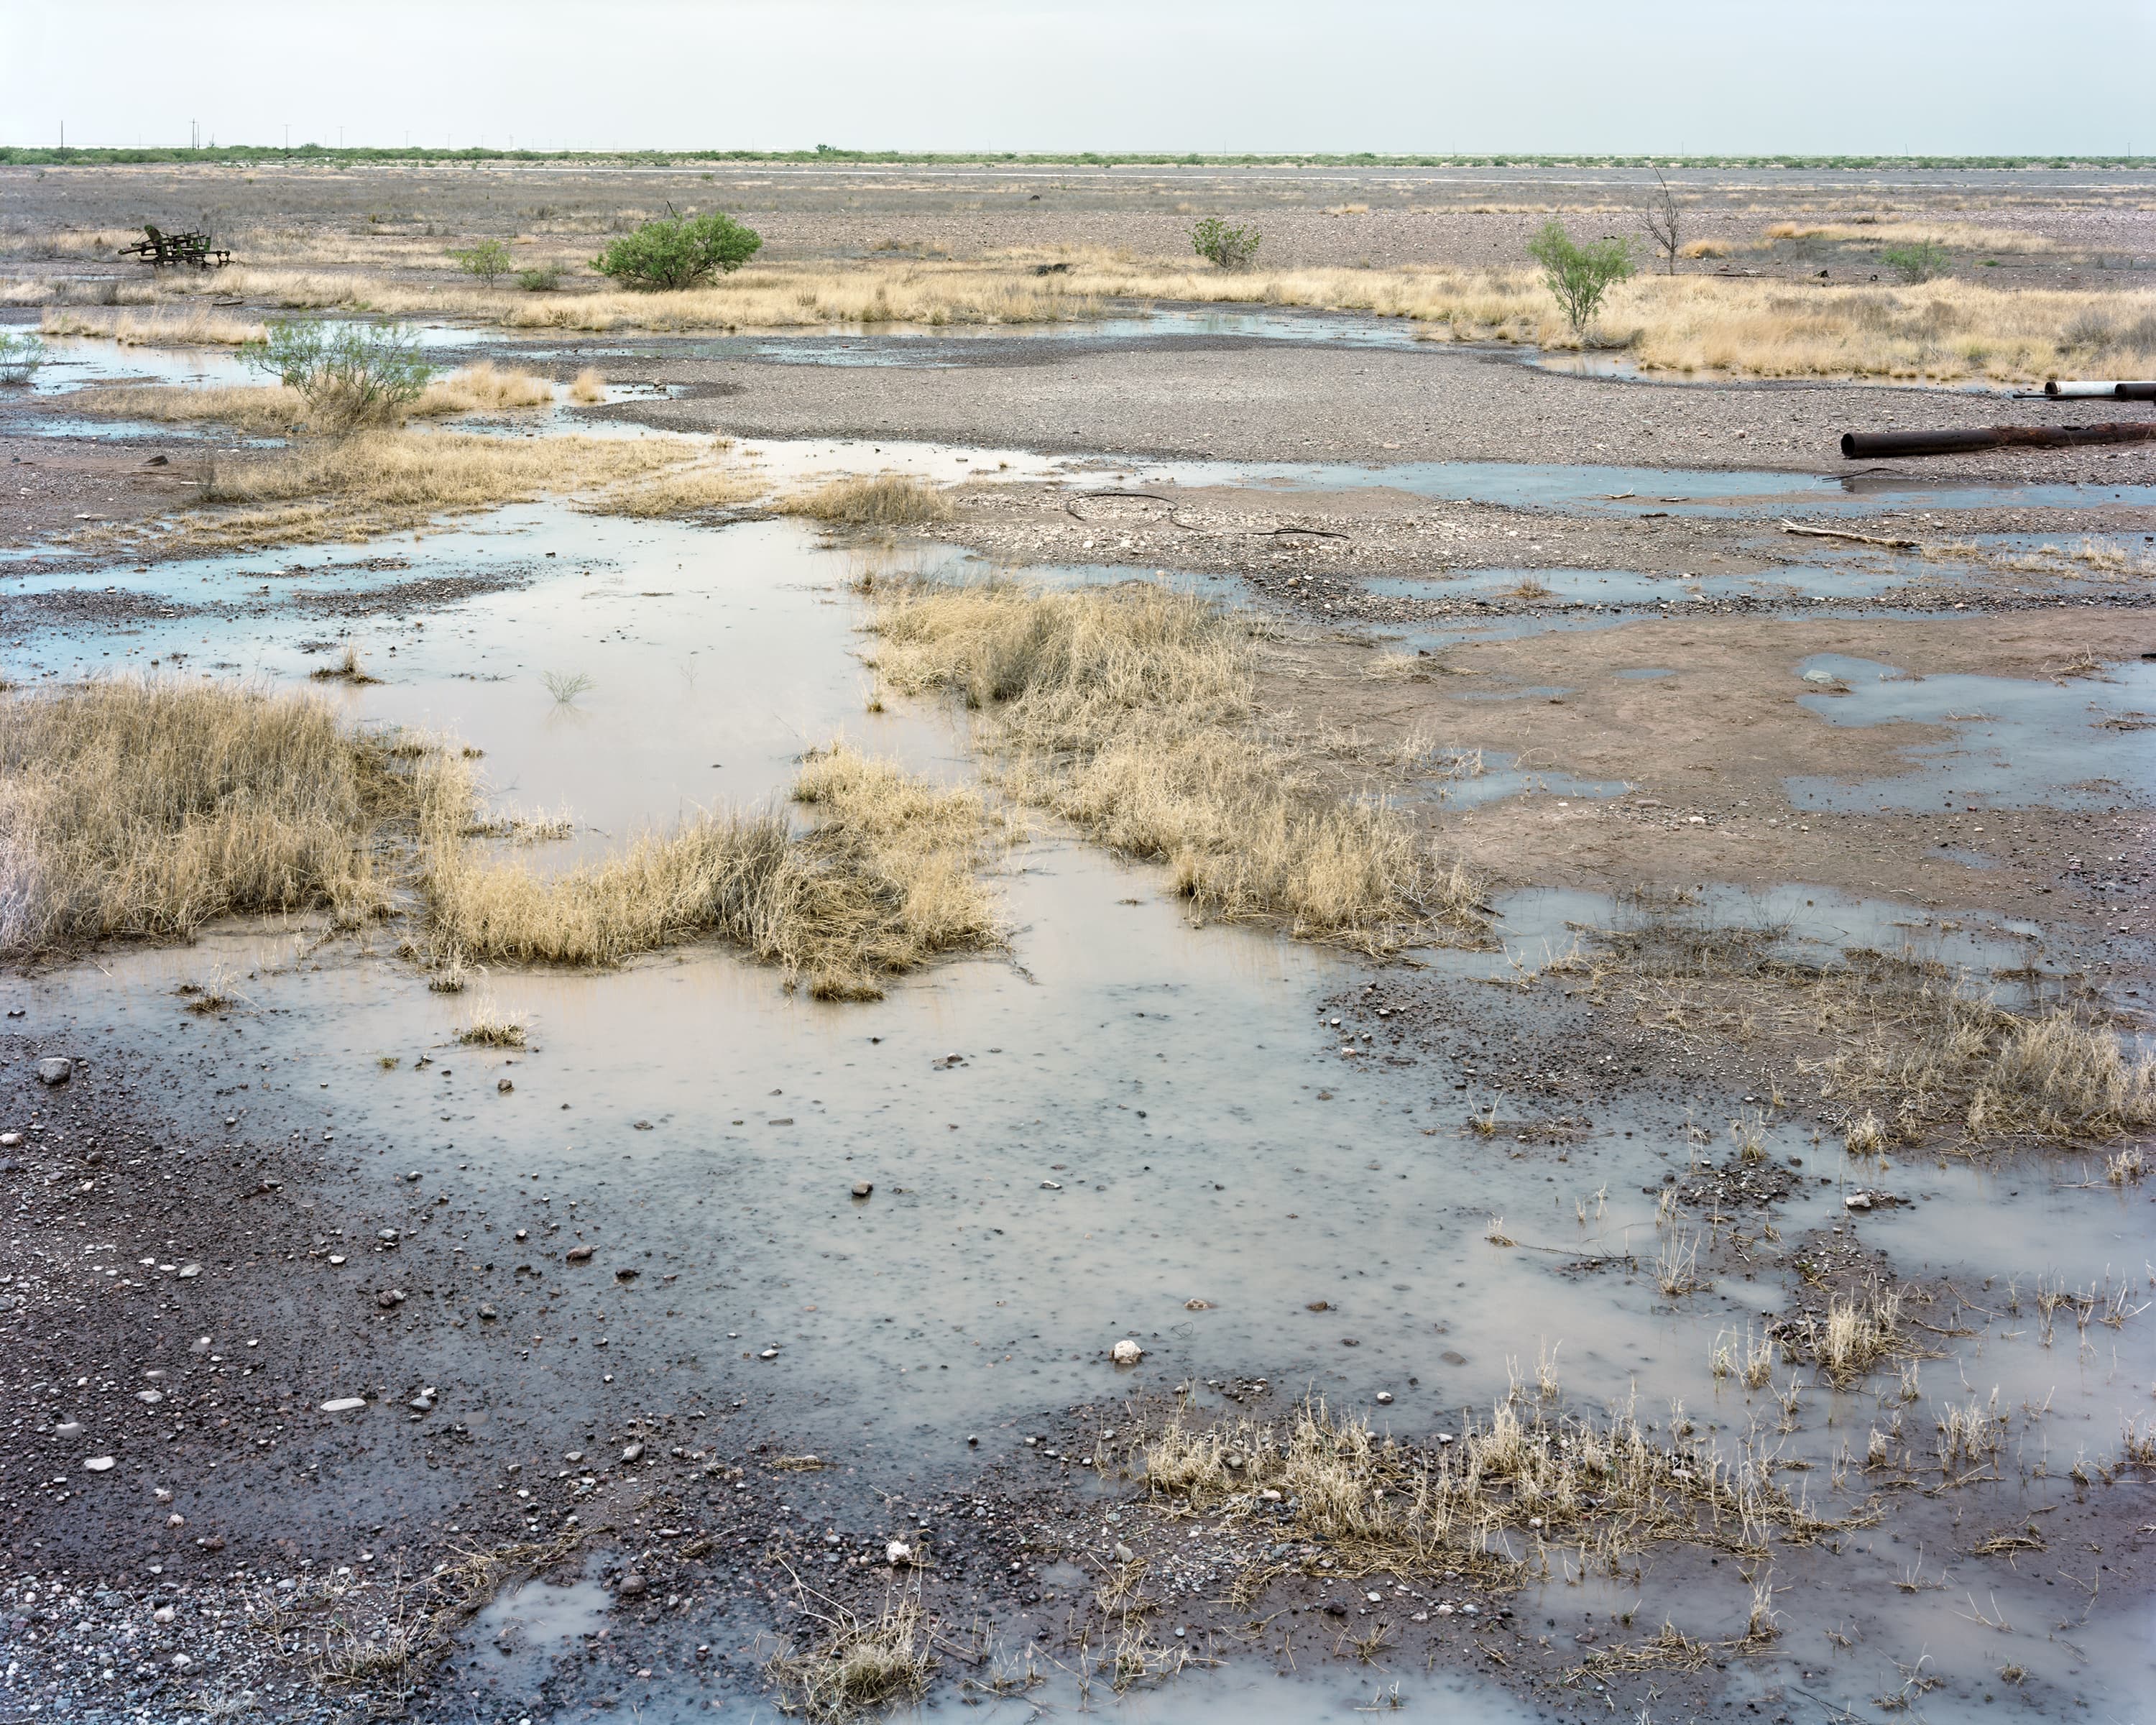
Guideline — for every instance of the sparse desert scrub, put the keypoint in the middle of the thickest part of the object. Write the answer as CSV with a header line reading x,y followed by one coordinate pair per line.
x,y
1942,330
1130,710
385,481
588,387
889,499
882,884
142,809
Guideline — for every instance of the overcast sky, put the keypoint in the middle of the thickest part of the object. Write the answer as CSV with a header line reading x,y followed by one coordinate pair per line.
x,y
1707,76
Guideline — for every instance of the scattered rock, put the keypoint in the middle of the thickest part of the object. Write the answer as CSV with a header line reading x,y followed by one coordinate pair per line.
x,y
768,1353
897,1552
503,1086
1865,1200
862,1189
633,1452
55,1070
1123,1554
8,1141
188,1272
1384,1396
488,1314
344,1403
624,1273
1127,1352
1197,1305
580,1255
632,1585
389,1298
99,1464
68,1429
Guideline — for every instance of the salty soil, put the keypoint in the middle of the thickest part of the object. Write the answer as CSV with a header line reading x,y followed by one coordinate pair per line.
x,y
570,1344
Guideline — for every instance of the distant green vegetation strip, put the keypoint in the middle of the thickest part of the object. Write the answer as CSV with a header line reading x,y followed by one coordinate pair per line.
x,y
360,155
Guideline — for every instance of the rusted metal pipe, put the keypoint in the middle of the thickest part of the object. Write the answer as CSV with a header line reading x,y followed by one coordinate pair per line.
x,y
2058,389
1856,444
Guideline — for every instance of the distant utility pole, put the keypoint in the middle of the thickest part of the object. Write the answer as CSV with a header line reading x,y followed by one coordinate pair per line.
x,y
288,135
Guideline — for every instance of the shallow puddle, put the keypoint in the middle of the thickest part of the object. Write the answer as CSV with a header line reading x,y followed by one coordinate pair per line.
x,y
2076,741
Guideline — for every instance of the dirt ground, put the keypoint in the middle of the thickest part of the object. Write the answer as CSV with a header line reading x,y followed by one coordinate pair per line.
x,y
564,1384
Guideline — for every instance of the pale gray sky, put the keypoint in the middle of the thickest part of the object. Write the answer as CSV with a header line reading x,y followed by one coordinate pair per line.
x,y
1730,76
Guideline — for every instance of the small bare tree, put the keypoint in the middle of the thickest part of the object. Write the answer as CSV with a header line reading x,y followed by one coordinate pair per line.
x,y
1665,223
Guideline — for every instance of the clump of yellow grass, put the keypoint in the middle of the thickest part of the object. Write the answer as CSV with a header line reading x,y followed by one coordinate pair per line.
x,y
198,326
484,387
1132,711
143,809
889,499
882,884
386,481
271,409
135,808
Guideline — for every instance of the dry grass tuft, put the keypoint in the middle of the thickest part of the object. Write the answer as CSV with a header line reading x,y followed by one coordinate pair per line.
x,y
588,387
861,1664
142,810
888,501
198,326
492,1028
681,490
483,388
881,884
263,410
1612,1490
1904,1043
1861,1330
388,482
1131,711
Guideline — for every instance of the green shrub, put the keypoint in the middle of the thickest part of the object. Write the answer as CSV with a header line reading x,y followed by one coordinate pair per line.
x,y
1919,261
1230,248
1579,275
20,357
351,374
542,280
679,251
488,260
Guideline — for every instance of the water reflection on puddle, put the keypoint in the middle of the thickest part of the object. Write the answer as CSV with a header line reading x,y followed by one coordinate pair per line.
x,y
2075,740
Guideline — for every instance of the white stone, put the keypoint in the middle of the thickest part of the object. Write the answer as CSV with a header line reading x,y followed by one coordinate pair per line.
x,y
99,1464
344,1403
897,1552
1127,1352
